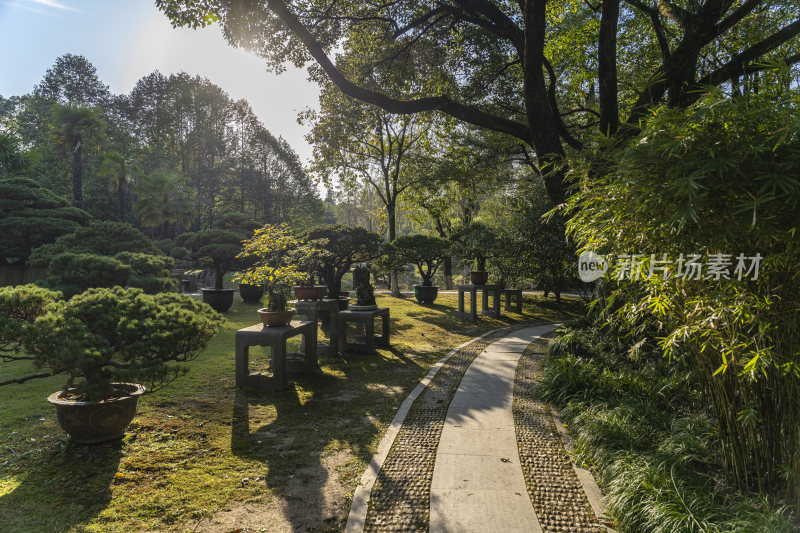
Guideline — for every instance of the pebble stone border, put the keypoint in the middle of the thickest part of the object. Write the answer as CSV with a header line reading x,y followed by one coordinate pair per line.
x,y
558,497
400,498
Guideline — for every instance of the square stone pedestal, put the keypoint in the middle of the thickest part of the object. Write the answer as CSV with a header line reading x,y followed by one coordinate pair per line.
x,y
281,362
486,291
367,319
513,299
312,310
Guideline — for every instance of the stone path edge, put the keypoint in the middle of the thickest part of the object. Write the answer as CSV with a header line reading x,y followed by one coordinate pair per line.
x,y
359,506
586,478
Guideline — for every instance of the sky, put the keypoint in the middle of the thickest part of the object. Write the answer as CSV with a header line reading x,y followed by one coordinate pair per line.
x,y
128,39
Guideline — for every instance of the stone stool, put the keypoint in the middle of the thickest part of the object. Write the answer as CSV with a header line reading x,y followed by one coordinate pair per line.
x,y
311,310
281,362
367,319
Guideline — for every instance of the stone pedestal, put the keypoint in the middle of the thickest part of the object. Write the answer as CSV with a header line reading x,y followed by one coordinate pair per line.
x,y
314,311
367,319
513,299
281,362
486,292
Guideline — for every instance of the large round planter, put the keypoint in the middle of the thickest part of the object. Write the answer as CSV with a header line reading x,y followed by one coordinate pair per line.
x,y
94,422
272,319
425,294
219,299
310,292
251,293
479,278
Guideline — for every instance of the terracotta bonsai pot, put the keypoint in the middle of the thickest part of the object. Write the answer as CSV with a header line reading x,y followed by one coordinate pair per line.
x,y
310,292
94,422
479,278
426,294
275,318
251,293
219,299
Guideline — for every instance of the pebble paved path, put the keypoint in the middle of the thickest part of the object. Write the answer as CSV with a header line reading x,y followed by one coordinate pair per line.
x,y
468,458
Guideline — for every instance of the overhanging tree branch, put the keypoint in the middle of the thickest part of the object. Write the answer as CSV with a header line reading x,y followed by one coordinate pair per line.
x,y
469,114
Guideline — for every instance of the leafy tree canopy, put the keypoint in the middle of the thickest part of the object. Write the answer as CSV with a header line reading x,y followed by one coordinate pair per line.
x,y
543,72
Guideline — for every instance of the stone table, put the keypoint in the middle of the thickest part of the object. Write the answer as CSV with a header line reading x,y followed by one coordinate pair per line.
x,y
486,290
313,310
367,319
281,362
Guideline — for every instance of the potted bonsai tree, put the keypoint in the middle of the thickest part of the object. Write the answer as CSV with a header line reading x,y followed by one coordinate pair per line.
x,y
308,259
478,243
112,344
217,248
268,250
427,254
244,226
339,248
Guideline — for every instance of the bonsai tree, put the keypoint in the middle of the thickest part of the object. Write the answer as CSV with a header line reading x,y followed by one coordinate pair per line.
x,y
309,258
478,242
217,248
269,248
423,251
342,246
107,336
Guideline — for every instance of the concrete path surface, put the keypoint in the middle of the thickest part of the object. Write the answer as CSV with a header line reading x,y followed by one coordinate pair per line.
x,y
477,478
451,461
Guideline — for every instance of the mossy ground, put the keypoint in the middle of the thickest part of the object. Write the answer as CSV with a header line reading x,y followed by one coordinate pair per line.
x,y
202,446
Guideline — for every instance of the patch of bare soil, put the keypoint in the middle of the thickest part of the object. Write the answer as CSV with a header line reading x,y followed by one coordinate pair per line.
x,y
312,500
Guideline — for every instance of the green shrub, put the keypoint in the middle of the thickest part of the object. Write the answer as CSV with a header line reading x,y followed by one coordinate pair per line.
x,y
640,421
105,336
102,238
31,216
73,273
151,273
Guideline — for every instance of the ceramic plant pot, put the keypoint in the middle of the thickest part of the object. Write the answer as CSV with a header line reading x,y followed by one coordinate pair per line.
x,y
272,319
95,422
219,299
426,294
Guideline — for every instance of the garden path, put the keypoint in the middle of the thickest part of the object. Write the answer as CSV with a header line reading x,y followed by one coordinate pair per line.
x,y
471,450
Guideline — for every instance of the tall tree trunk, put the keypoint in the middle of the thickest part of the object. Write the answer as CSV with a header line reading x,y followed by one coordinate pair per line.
x,y
545,137
121,205
447,266
391,212
607,67
77,176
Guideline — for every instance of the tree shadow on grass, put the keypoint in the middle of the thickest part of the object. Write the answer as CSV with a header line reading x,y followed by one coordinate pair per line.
x,y
66,487
314,428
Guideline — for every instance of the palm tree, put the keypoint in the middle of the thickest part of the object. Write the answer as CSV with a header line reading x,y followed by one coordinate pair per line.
x,y
121,173
164,199
76,128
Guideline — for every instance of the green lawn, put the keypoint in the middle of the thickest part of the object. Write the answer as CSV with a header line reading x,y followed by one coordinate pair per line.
x,y
201,453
